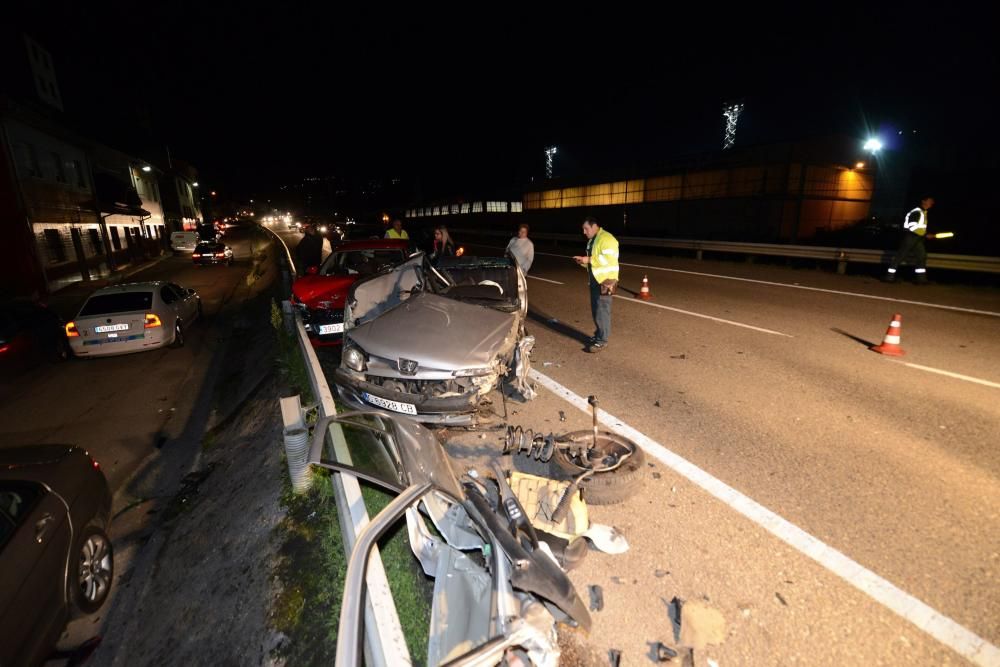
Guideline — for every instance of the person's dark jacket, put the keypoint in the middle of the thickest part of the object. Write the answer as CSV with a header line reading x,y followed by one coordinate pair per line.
x,y
446,249
309,252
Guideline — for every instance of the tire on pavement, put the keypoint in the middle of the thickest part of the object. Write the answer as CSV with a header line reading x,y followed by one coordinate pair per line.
x,y
625,462
178,335
91,571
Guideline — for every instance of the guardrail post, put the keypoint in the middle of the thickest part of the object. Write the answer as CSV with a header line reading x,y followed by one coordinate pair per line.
x,y
841,262
698,254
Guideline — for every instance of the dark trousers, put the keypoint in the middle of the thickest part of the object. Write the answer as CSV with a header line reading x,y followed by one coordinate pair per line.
x,y
912,245
600,310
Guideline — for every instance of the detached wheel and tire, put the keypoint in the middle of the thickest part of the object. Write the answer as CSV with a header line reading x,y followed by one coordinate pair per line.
x,y
92,571
617,463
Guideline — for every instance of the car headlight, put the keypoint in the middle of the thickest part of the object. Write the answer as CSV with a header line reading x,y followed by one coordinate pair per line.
x,y
472,372
354,359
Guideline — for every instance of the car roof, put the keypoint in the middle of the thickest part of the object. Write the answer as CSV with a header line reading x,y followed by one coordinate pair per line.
x,y
372,244
149,286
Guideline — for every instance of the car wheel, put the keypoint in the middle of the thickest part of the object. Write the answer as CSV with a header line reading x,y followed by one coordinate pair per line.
x,y
178,335
618,465
62,351
92,572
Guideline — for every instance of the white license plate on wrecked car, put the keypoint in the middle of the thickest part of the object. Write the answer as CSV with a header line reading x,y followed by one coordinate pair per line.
x,y
112,327
395,406
325,329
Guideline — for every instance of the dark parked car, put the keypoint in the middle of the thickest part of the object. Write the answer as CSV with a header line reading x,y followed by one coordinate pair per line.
x,y
55,555
212,253
29,333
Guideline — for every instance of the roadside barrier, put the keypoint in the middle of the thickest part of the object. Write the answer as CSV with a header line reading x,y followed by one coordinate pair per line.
x,y
384,642
842,256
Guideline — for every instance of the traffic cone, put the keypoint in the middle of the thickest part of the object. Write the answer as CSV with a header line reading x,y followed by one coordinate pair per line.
x,y
890,344
644,292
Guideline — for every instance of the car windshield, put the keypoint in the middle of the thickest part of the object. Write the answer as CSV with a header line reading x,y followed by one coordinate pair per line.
x,y
361,262
480,279
123,302
209,247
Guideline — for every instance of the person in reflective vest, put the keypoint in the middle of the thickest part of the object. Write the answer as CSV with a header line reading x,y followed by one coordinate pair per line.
x,y
601,262
912,244
397,231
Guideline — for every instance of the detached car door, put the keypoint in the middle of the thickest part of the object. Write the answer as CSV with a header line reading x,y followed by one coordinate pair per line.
x,y
35,540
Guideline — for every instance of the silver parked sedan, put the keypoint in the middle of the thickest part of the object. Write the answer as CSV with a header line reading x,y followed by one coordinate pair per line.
x,y
133,318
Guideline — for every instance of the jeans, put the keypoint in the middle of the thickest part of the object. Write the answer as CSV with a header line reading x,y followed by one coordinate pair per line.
x,y
600,310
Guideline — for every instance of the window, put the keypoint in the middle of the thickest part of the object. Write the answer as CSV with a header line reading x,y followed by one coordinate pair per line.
x,y
116,240
27,159
454,209
465,208
17,499
516,207
95,241
121,302
81,179
53,240
60,169
477,207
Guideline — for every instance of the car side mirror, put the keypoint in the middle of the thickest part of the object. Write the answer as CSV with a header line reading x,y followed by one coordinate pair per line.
x,y
312,270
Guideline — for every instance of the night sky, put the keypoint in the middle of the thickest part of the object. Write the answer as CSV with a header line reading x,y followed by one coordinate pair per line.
x,y
256,97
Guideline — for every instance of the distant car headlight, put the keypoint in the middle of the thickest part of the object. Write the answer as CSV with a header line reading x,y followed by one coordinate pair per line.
x,y
354,359
472,372
322,229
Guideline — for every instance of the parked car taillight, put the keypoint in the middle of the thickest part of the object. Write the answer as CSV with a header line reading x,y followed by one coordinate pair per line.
x,y
152,321
197,254
71,330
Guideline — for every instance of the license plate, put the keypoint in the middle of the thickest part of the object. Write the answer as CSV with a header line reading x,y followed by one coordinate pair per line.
x,y
395,406
325,329
111,327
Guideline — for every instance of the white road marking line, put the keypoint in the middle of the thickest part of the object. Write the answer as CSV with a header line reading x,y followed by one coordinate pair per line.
x,y
926,618
804,287
546,280
957,376
707,317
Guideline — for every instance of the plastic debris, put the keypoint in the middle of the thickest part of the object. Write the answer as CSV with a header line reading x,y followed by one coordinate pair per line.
x,y
781,599
660,573
614,657
678,356
656,403
596,598
562,416
656,475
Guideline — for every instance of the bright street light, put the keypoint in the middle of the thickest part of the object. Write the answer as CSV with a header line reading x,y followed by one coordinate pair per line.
x,y
873,145
147,169
195,184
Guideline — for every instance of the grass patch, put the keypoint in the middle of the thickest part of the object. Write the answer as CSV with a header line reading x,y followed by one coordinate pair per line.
x,y
291,363
311,569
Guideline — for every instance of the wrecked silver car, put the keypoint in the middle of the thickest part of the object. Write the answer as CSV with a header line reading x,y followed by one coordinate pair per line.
x,y
432,342
497,587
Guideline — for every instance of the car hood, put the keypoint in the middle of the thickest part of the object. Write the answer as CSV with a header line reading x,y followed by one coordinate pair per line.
x,y
438,332
312,289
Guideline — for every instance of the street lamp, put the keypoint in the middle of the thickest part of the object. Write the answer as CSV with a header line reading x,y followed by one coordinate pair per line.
x,y
873,145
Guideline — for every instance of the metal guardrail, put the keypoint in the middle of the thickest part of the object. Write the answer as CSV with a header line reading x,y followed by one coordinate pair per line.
x,y
385,644
842,256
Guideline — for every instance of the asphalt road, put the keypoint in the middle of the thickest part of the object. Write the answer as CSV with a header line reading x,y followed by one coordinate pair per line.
x,y
122,409
779,397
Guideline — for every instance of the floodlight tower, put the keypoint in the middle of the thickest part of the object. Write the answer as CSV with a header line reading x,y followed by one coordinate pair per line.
x,y
550,153
731,112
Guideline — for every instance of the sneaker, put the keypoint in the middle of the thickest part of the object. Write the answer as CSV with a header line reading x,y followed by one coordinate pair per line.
x,y
596,347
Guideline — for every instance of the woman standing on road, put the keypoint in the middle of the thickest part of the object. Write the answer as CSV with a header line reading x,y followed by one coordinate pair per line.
x,y
443,245
522,248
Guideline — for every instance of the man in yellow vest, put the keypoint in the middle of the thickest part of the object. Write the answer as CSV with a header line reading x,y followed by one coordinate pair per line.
x,y
601,261
912,243
397,231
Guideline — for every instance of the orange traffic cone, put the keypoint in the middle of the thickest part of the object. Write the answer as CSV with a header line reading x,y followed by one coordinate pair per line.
x,y
644,292
890,344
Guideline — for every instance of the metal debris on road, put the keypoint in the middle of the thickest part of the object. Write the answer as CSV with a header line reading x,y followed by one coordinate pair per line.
x,y
678,356
614,657
781,599
656,404
660,573
562,416
617,580
664,652
596,598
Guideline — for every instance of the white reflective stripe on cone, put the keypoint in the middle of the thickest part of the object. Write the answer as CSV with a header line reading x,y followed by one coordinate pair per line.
x,y
894,323
920,270
892,340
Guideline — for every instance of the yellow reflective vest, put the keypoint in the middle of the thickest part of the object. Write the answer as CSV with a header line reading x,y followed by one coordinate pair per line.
x,y
603,251
393,234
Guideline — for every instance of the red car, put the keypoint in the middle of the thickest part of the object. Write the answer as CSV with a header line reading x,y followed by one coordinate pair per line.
x,y
319,295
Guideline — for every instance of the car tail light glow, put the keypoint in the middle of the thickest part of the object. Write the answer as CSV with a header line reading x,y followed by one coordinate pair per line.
x,y
4,347
152,321
71,330
220,254
197,254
